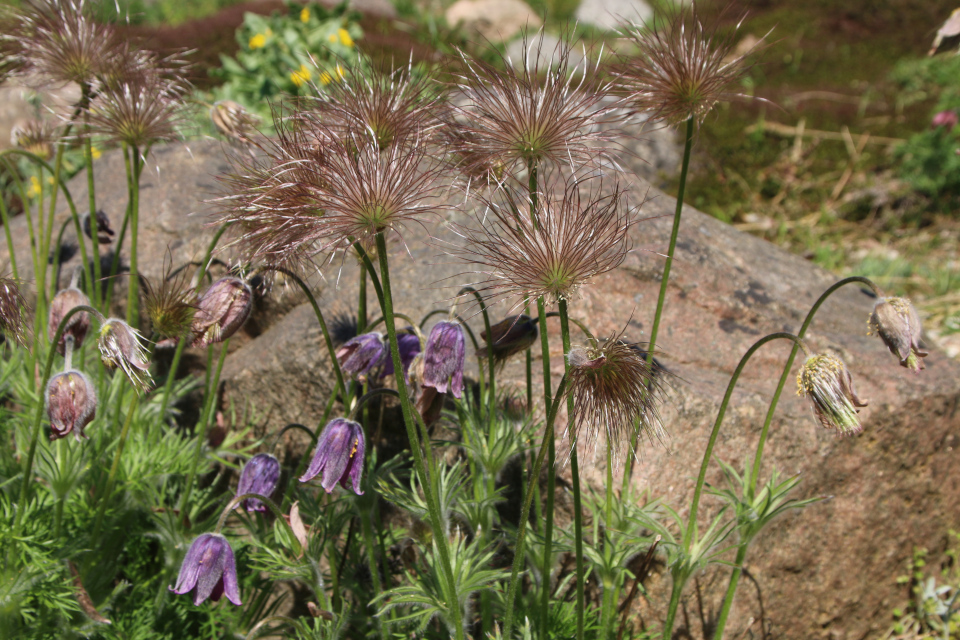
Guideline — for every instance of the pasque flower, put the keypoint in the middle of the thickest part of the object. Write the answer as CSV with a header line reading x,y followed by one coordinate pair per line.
x,y
361,355
443,358
104,232
78,324
338,456
681,69
260,475
221,311
140,111
409,346
120,346
171,305
210,568
71,404
512,335
827,382
233,120
568,241
897,323
613,388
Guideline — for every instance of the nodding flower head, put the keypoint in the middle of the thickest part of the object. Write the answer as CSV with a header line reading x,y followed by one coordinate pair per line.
x,y
260,475
409,346
12,306
443,358
233,120
71,404
512,335
613,389
825,379
104,232
897,323
681,70
361,355
210,568
221,311
531,113
120,346
78,324
566,243
338,456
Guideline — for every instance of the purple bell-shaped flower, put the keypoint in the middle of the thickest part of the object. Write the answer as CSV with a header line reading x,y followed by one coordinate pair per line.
x,y
339,455
210,568
443,358
259,475
361,355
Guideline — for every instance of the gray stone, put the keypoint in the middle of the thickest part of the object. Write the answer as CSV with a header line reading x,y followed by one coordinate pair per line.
x,y
611,14
494,20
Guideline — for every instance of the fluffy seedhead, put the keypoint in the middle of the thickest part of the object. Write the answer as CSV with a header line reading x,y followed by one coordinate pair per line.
x,y
614,389
378,109
539,113
897,323
12,306
233,120
170,304
35,136
827,382
138,112
681,70
569,240
121,346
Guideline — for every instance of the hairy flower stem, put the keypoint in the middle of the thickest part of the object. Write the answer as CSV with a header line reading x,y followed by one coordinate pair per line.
x,y
111,476
38,415
490,359
210,406
171,376
362,302
366,530
133,280
665,280
5,218
91,198
519,552
551,476
575,476
115,264
439,533
758,456
708,455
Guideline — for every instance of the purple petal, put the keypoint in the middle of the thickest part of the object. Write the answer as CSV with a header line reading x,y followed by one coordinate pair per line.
x,y
211,567
355,466
229,580
190,568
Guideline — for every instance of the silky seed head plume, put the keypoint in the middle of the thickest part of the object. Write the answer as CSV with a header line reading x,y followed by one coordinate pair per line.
x,y
35,136
613,389
570,240
538,113
170,304
12,305
233,120
681,69
121,346
827,382
139,112
897,323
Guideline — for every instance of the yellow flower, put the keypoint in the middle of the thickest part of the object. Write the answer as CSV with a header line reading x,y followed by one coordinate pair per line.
x,y
301,75
333,37
325,78
258,41
345,38
305,15
95,153
269,32
35,187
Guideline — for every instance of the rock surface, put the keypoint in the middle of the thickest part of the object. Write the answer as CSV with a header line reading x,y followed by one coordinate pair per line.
x,y
494,20
610,14
829,571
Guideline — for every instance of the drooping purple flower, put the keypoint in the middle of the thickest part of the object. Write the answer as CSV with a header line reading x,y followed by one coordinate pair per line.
x,y
221,310
71,404
77,325
339,455
209,567
360,355
443,358
409,345
946,119
259,475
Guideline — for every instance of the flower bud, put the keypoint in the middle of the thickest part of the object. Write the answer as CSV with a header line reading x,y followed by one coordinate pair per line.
x,y
339,455
78,324
825,379
360,355
897,323
71,404
120,346
210,568
409,346
443,358
259,475
946,119
222,309
512,335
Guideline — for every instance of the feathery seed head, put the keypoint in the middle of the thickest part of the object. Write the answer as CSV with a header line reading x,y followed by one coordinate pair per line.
x,y
170,304
233,120
681,71
121,346
826,380
12,305
897,323
138,112
613,388
35,136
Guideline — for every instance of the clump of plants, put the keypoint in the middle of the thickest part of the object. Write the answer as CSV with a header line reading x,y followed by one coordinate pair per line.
x,y
122,519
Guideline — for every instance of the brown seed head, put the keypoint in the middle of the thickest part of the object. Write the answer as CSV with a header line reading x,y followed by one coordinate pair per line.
x,y
897,323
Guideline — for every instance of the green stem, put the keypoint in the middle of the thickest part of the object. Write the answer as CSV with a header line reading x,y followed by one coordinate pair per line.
x,y
206,416
208,256
525,510
133,176
489,333
440,535
108,487
551,476
92,199
5,217
575,475
731,590
362,304
366,530
675,594
171,376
